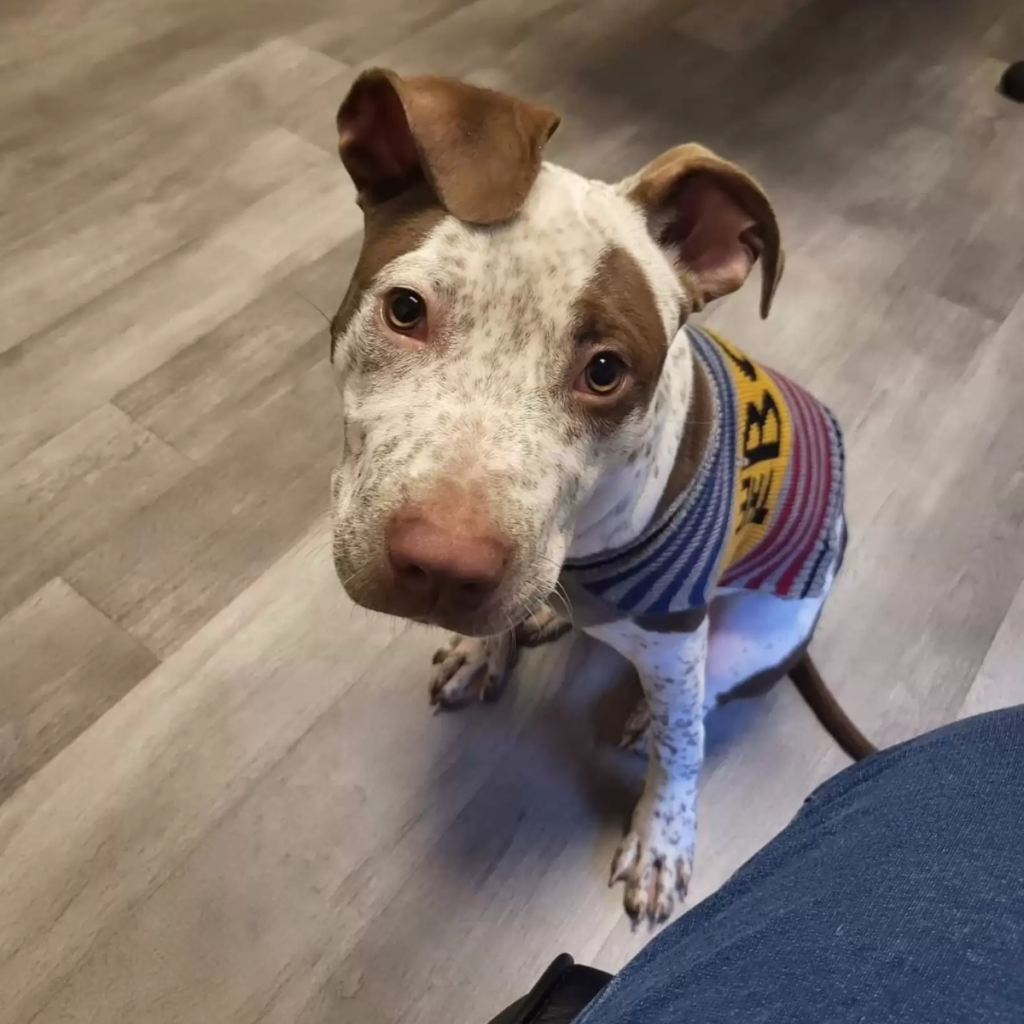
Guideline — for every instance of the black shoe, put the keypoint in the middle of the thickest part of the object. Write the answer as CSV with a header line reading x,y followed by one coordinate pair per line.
x,y
560,996
1012,82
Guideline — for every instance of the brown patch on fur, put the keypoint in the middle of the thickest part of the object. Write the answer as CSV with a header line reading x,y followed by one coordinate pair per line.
x,y
618,307
661,190
692,443
478,150
391,229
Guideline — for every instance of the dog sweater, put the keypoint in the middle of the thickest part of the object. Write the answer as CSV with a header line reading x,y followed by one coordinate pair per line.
x,y
763,511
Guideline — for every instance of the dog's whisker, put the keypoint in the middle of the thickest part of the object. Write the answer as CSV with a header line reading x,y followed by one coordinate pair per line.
x,y
309,301
567,602
558,590
511,630
567,606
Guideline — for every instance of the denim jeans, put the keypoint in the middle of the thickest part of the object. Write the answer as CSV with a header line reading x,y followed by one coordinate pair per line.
x,y
896,894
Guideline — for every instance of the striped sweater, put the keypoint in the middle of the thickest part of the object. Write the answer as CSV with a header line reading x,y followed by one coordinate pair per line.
x,y
762,512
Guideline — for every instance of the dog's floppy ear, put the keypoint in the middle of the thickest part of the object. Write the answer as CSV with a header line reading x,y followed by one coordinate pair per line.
x,y
715,219
478,150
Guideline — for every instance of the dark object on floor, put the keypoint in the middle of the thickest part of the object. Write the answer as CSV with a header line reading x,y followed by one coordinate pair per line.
x,y
564,989
894,894
1012,82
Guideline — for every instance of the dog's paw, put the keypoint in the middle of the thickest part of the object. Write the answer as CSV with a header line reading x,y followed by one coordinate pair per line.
x,y
470,667
634,732
655,860
542,627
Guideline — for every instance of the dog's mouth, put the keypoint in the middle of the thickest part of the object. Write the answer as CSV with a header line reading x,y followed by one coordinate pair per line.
x,y
466,611
470,625
483,623
486,620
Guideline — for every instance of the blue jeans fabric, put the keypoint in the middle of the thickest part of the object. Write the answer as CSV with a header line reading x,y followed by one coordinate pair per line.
x,y
895,895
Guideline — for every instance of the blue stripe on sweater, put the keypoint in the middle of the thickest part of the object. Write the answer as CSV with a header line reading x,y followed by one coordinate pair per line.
x,y
671,569
651,565
712,522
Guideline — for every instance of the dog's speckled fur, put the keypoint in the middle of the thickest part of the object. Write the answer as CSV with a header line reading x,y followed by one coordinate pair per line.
x,y
656,858
491,404
485,412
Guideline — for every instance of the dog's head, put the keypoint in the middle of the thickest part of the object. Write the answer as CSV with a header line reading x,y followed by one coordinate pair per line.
x,y
503,337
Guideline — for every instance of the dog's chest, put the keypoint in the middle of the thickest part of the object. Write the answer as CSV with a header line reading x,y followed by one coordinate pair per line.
x,y
760,513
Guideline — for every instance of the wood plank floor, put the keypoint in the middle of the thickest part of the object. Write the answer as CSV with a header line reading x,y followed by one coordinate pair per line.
x,y
224,796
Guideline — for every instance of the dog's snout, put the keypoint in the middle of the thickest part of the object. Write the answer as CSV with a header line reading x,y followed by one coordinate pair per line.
x,y
437,562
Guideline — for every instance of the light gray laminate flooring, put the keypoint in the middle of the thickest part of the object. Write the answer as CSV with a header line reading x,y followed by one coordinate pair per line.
x,y
225,798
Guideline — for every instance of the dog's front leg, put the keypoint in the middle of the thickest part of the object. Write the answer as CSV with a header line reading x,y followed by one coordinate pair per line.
x,y
468,667
544,626
655,859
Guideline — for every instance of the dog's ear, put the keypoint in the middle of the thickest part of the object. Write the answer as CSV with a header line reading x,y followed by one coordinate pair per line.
x,y
715,219
478,150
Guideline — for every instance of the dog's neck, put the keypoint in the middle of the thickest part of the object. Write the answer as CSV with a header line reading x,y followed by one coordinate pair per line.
x,y
628,494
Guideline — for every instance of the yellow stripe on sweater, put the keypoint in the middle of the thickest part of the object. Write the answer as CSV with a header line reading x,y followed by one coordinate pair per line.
x,y
764,447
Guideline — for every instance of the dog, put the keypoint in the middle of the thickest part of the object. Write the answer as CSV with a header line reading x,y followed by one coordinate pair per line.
x,y
527,412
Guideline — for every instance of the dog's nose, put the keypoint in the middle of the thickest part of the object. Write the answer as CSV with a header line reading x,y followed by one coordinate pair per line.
x,y
435,563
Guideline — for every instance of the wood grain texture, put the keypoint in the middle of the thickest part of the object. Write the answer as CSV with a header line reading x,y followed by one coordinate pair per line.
x,y
187,554
142,323
226,797
63,664
217,387
84,483
1000,681
190,740
749,23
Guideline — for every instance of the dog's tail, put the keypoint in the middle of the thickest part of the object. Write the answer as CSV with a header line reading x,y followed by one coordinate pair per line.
x,y
807,679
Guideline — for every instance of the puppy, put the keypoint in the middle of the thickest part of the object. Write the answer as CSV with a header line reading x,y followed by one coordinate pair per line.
x,y
526,411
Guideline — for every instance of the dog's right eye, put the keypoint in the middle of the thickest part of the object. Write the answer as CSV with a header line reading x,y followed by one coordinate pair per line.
x,y
404,310
605,374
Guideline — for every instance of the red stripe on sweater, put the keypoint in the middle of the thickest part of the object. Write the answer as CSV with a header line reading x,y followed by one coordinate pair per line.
x,y
781,535
798,497
820,507
809,514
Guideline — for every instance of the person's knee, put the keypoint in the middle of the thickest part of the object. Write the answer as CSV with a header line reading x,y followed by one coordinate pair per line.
x,y
965,755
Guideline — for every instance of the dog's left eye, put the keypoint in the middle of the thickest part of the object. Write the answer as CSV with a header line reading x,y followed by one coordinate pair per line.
x,y
404,310
604,374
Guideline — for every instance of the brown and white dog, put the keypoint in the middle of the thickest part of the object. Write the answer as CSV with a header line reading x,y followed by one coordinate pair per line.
x,y
520,394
